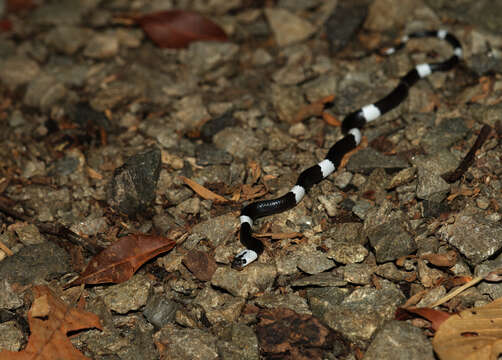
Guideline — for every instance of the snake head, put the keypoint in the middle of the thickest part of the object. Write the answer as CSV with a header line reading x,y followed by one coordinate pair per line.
x,y
243,259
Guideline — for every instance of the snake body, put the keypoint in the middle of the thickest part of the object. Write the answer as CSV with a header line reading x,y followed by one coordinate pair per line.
x,y
351,128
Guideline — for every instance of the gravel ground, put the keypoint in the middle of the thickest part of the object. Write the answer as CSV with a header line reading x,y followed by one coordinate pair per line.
x,y
99,127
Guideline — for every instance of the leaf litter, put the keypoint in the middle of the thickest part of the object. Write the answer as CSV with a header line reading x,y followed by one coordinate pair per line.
x,y
50,321
118,262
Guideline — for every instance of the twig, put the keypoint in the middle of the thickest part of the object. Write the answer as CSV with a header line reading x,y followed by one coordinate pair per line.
x,y
468,160
55,229
5,249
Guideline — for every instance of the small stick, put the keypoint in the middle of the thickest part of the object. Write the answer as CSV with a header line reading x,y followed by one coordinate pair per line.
x,y
468,160
5,249
49,228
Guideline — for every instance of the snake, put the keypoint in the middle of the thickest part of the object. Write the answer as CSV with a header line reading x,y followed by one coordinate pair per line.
x,y
351,127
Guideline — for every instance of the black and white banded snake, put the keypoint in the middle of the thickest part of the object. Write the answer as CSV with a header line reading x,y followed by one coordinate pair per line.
x,y
351,128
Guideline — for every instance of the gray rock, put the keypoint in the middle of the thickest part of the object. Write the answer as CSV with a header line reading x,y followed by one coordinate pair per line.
x,y
319,88
330,201
181,343
391,272
190,112
361,208
65,12
28,234
245,283
314,262
204,56
368,159
215,125
344,22
9,299
475,237
432,296
190,206
448,132
67,39
11,336
159,310
219,307
438,162
348,253
127,296
493,289
402,177
431,186
287,101
398,340
359,274
18,70
115,94
287,27
240,143
208,155
428,276
44,92
16,119
238,342
132,188
321,279
343,179
35,197
391,241
218,230
347,232
102,46
34,263
324,299
91,226
361,313
290,301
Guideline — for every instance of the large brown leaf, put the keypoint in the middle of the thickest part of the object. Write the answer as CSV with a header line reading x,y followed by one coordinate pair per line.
x,y
50,321
118,262
474,334
178,28
285,334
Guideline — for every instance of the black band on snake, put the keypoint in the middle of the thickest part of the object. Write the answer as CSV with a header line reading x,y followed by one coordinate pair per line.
x,y
351,128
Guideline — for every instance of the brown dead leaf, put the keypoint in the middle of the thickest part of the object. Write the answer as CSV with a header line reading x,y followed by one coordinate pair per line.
x,y
118,262
249,192
474,334
50,321
436,317
203,192
255,171
200,264
447,259
313,109
285,334
330,119
177,28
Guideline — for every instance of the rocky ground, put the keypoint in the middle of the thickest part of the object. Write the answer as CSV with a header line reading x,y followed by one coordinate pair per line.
x,y
99,126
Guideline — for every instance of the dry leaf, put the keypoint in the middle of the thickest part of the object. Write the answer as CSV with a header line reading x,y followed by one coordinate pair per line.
x,y
178,28
474,334
436,317
203,192
200,264
50,321
313,109
255,171
118,262
285,334
447,259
